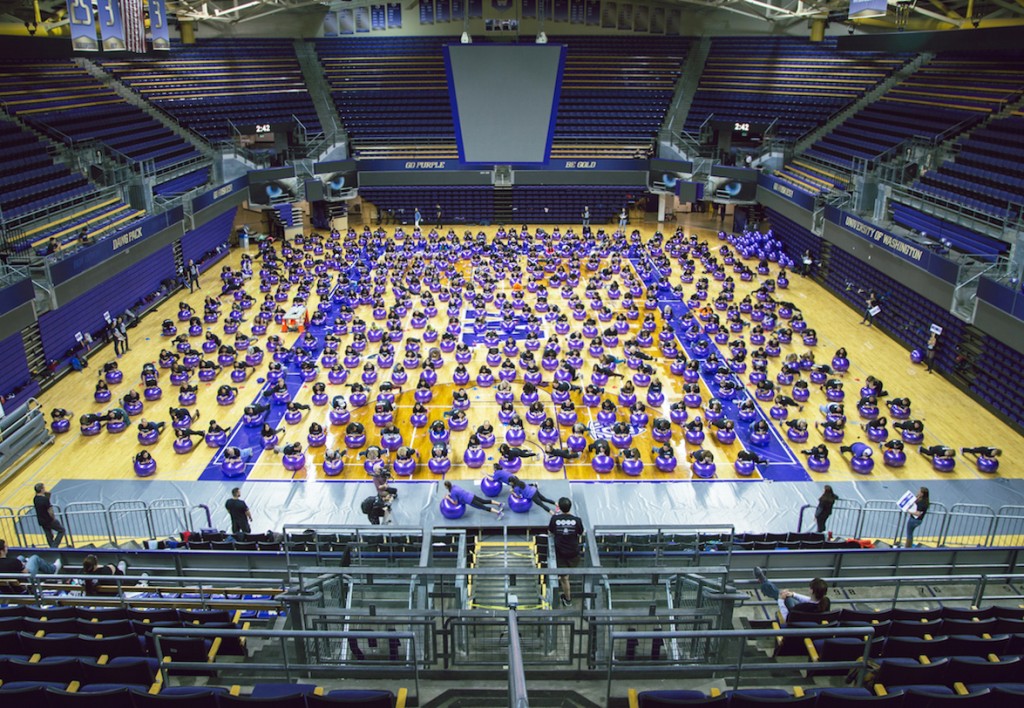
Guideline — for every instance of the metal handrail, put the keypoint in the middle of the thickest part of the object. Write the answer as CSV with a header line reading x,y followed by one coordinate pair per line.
x,y
285,664
517,694
738,666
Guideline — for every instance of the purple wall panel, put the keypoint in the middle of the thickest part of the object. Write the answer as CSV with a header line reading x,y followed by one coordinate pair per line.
x,y
85,313
207,237
14,373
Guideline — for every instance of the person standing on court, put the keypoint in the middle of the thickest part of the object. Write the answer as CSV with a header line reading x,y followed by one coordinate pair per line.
x,y
870,303
119,339
566,530
46,516
416,218
193,275
929,351
623,219
122,327
586,217
438,225
826,501
240,515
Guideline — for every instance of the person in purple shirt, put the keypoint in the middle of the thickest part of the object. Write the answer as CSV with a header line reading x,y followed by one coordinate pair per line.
x,y
531,492
500,474
458,495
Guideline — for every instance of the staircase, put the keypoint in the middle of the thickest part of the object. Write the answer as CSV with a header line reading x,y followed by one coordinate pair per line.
x,y
502,204
686,88
320,94
34,353
864,101
492,592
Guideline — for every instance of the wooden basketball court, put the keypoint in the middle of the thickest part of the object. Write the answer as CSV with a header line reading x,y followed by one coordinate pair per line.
x,y
951,418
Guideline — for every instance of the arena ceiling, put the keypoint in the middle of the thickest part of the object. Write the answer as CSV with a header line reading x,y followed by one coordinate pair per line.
x,y
778,14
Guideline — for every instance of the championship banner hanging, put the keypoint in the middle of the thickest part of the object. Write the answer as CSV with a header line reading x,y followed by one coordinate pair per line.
x,y
158,27
83,26
134,25
111,27
860,9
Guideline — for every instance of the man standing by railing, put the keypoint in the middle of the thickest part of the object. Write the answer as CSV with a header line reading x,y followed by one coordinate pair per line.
x,y
566,530
46,516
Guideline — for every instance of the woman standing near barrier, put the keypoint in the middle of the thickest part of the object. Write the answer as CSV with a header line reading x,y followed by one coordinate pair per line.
x,y
917,515
826,501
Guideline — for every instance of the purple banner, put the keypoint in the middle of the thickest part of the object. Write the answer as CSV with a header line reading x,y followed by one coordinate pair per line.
x,y
658,20
786,191
331,24
577,11
529,9
158,28
442,10
346,21
458,10
476,9
83,26
561,10
593,12
362,19
111,27
674,21
641,19
426,12
394,15
378,17
625,16
867,8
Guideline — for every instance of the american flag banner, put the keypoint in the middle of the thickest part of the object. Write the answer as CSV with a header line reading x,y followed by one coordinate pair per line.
x,y
134,25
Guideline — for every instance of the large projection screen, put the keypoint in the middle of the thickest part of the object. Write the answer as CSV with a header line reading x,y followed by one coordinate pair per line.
x,y
504,100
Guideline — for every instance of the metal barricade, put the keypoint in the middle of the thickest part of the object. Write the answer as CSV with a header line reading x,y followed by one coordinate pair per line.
x,y
9,526
968,525
201,512
845,521
1008,529
87,522
28,530
167,517
129,520
882,520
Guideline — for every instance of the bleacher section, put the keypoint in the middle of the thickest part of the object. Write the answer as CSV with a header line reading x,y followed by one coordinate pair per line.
x,y
792,80
531,204
615,91
46,199
29,176
210,85
993,370
961,238
549,204
391,94
16,382
459,205
935,103
988,172
72,106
